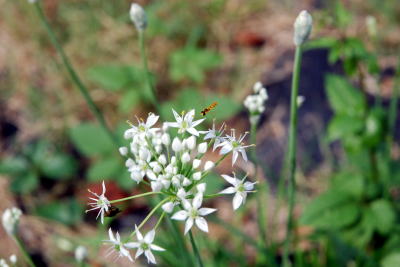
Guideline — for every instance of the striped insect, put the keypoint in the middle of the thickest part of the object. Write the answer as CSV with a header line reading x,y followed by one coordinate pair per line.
x,y
209,108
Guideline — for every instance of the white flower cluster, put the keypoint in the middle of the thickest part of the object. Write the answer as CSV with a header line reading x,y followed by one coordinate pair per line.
x,y
10,220
255,102
174,167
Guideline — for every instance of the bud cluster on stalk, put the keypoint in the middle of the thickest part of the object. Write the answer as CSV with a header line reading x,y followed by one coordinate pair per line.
x,y
255,102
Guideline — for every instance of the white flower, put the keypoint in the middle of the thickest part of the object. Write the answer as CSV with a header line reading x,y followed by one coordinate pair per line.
x,y
100,202
143,129
138,16
236,146
117,245
302,27
80,253
185,123
239,187
214,134
10,220
255,103
145,245
193,214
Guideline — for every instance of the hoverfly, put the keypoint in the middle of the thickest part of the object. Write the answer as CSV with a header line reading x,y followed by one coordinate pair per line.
x,y
112,211
209,108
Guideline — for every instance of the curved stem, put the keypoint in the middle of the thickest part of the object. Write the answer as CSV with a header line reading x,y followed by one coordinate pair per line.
x,y
24,252
195,250
132,197
74,76
146,69
292,153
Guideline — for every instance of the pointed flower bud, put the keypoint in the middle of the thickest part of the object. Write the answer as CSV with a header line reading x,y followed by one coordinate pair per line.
x,y
202,148
138,16
191,142
302,28
185,157
197,176
209,165
123,150
176,145
168,207
196,163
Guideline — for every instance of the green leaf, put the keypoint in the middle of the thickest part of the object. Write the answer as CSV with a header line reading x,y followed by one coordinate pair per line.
x,y
331,210
111,77
58,166
344,98
191,64
214,183
343,17
324,42
67,211
343,125
391,260
91,139
24,183
13,165
104,169
350,183
384,215
129,100
225,109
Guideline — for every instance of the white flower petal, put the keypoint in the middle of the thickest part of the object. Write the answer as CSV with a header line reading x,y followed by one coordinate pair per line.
x,y
202,224
149,237
237,201
139,252
139,235
180,215
229,179
156,248
229,190
192,131
197,200
132,245
188,225
150,257
206,211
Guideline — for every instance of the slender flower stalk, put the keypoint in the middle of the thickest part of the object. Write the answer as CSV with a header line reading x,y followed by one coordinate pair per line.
x,y
150,85
25,254
73,74
302,27
195,249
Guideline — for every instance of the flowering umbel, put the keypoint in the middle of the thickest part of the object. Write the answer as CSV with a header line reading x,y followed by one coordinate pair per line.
x,y
171,160
302,28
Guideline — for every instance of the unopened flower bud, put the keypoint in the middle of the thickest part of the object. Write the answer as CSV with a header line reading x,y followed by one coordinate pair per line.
x,y
202,148
156,186
209,165
123,151
10,220
185,157
302,28
80,253
196,163
181,193
191,142
165,139
144,154
176,145
168,207
201,188
186,182
138,16
300,100
162,159
129,163
197,176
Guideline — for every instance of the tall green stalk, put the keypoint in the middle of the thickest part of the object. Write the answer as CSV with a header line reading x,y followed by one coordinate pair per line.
x,y
292,153
147,71
195,250
394,101
73,75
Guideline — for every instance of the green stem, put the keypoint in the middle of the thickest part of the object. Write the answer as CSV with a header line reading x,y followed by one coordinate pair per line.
x,y
24,252
195,250
149,215
135,196
146,69
159,220
261,217
74,76
292,154
394,102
